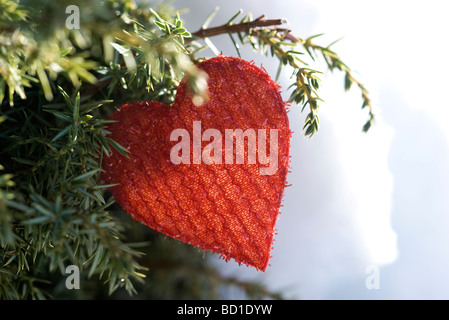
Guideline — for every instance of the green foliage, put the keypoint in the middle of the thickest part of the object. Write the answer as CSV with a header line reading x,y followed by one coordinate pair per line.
x,y
58,215
57,88
289,49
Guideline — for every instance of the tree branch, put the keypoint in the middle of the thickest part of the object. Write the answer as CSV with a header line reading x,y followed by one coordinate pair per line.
x,y
241,27
275,40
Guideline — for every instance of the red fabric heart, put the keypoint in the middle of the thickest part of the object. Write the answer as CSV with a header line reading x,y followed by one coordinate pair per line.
x,y
227,208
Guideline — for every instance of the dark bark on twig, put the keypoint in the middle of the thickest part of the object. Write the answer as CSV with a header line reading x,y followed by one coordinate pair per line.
x,y
241,27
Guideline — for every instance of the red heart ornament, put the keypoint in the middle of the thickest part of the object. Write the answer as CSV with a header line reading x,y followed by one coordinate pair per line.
x,y
191,176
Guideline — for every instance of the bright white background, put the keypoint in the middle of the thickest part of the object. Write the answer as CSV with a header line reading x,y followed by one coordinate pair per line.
x,y
357,199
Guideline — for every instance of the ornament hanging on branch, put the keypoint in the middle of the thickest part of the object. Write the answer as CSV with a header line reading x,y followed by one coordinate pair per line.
x,y
211,174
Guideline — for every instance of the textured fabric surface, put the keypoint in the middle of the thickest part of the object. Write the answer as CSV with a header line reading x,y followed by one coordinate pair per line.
x,y
229,209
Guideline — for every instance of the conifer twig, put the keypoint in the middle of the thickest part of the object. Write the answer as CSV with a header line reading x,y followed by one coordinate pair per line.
x,y
240,27
278,38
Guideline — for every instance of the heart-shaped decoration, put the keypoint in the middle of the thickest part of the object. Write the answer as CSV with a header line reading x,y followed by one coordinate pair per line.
x,y
211,175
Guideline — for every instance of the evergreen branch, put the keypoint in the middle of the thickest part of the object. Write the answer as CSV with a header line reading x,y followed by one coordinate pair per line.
x,y
62,218
306,82
173,271
280,42
333,62
235,28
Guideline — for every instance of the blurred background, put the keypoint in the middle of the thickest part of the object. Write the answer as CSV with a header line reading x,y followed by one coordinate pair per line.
x,y
360,202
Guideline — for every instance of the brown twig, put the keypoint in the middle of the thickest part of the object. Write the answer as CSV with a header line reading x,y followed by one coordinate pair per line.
x,y
241,27
251,28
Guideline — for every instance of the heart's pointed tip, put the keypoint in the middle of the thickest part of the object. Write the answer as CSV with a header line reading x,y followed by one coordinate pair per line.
x,y
259,265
